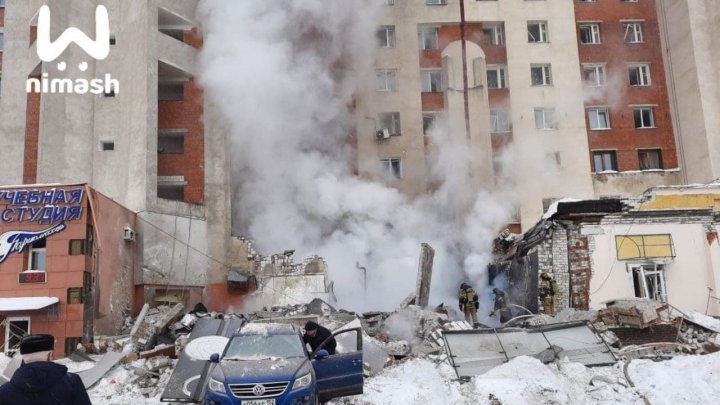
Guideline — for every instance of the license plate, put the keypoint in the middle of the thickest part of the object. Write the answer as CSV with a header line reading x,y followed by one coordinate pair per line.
x,y
270,401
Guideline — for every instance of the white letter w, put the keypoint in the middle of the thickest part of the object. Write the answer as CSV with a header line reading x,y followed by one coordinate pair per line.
x,y
98,49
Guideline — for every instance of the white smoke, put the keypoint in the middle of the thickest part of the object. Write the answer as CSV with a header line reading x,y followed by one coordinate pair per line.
x,y
281,75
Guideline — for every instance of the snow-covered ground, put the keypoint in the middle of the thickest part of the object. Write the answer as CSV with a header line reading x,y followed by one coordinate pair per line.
x,y
524,380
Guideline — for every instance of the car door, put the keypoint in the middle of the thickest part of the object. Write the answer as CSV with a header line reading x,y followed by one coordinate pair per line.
x,y
342,373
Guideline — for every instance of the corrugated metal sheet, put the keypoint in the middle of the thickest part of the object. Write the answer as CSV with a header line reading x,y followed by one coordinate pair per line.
x,y
474,352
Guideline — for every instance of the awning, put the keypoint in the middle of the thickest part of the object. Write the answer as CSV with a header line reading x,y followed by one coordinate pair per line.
x,y
26,303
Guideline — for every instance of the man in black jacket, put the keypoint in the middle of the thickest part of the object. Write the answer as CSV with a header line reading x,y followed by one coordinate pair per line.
x,y
316,334
39,380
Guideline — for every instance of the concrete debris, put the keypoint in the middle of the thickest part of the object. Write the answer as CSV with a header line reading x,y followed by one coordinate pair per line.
x,y
156,321
410,300
549,355
637,312
704,321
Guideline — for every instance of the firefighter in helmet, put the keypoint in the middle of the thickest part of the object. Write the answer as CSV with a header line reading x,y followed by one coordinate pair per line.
x,y
546,291
469,303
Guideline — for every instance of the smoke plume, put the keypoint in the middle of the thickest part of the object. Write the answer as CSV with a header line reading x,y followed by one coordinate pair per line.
x,y
282,76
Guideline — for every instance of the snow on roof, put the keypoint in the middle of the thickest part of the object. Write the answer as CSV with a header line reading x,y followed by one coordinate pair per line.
x,y
26,303
552,209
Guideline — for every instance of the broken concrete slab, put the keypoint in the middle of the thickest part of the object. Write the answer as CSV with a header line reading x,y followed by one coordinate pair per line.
x,y
638,312
139,320
410,300
320,307
422,289
707,322
91,376
78,356
155,322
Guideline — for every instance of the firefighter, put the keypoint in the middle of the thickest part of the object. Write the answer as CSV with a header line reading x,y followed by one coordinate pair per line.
x,y
546,291
469,303
501,305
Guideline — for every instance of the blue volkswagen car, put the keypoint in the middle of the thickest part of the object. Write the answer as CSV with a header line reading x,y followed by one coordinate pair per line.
x,y
268,364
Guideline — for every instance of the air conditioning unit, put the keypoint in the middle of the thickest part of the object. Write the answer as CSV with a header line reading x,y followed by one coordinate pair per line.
x,y
129,234
382,134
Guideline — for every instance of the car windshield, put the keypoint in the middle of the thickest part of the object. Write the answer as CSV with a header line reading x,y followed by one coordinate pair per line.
x,y
264,347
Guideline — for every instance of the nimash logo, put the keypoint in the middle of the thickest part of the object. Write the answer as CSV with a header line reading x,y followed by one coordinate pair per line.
x,y
49,51
16,241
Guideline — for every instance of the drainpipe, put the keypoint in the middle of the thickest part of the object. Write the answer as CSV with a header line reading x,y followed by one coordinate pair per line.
x,y
464,70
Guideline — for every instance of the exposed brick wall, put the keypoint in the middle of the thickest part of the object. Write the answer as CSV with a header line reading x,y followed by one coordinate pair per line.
x,y
32,134
190,164
624,137
579,268
651,334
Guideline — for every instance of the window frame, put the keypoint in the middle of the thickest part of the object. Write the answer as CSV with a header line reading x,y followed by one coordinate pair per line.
x,y
593,33
389,77
543,32
657,151
41,251
599,72
603,154
545,125
394,121
436,2
426,81
389,37
500,116
597,110
434,40
644,80
640,109
500,76
636,34
546,73
387,168
497,33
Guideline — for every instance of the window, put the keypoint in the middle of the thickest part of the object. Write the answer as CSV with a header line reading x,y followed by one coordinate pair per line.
x,y
537,31
589,33
89,240
633,247
435,2
644,117
496,77
171,141
544,118
391,168
494,33
2,41
649,281
171,91
500,121
171,192
2,3
633,32
76,247
431,81
428,38
599,118
386,36
586,1
107,146
37,256
75,295
639,75
650,159
594,75
541,75
113,41
428,122
389,2
390,121
386,80
605,161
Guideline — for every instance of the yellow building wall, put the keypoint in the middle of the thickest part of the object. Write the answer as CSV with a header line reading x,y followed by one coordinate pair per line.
x,y
663,202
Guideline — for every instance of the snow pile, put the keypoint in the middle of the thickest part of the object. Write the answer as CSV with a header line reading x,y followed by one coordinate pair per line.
x,y
122,386
525,380
681,380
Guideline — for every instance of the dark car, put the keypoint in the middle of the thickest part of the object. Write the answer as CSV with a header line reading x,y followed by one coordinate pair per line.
x,y
268,364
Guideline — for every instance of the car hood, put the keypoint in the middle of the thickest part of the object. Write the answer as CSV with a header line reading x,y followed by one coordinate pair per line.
x,y
241,371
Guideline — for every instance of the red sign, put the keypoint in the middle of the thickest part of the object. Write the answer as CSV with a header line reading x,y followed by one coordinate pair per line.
x,y
33,277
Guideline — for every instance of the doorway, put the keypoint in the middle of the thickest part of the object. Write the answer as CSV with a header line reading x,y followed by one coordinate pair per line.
x,y
15,329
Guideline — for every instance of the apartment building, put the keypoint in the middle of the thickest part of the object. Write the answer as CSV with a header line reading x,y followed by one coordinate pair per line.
x,y
140,141
583,79
689,31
